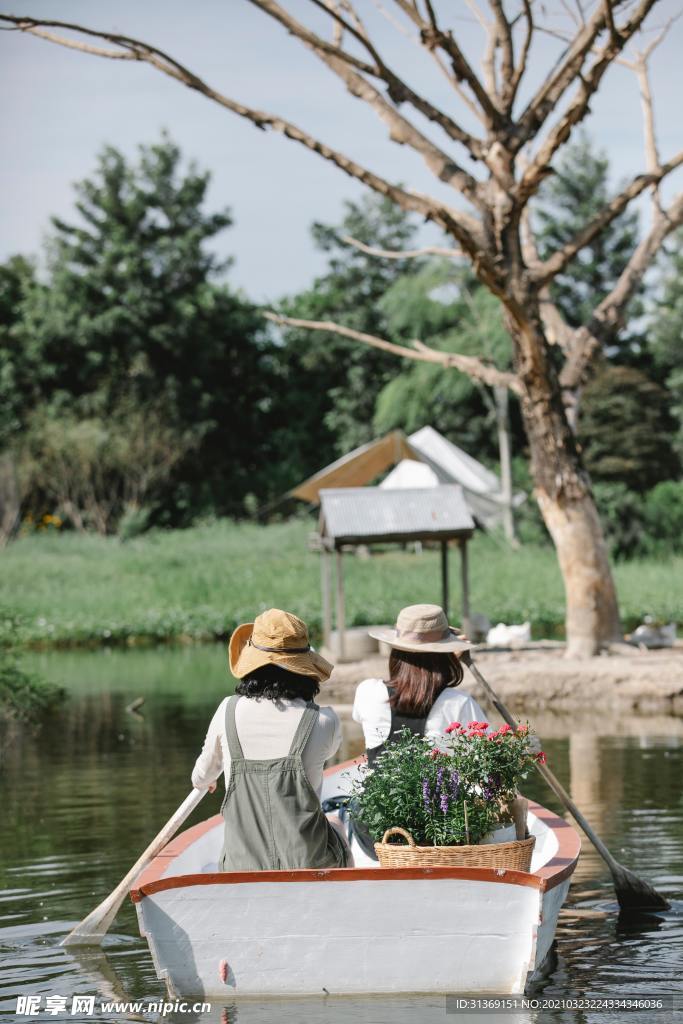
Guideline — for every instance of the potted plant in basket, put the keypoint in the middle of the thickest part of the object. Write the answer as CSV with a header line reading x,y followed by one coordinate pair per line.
x,y
449,803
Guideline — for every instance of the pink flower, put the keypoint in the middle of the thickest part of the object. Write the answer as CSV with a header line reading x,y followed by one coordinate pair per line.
x,y
541,758
434,753
452,727
522,728
504,729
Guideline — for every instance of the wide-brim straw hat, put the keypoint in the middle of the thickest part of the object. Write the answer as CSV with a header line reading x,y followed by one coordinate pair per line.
x,y
422,627
275,638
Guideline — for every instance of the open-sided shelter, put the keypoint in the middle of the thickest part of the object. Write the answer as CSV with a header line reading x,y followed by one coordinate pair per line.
x,y
353,516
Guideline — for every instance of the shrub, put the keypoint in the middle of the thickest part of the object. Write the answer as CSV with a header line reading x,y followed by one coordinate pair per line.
x,y
623,518
663,515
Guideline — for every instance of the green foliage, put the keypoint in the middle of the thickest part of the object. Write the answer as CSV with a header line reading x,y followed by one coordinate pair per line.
x,y
445,797
131,311
622,516
664,517
23,695
199,583
443,306
568,200
665,335
94,470
625,429
327,387
17,369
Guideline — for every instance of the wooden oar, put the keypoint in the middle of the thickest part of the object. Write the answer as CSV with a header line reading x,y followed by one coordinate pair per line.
x,y
98,922
633,893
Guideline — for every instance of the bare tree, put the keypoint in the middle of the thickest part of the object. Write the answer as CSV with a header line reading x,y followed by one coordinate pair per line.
x,y
496,171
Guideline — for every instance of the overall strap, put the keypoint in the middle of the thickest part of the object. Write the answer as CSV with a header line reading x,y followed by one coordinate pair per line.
x,y
303,729
234,745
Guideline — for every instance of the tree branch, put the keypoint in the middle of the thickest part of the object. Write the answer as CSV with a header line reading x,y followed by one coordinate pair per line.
x,y
432,36
401,130
524,55
403,254
454,222
559,259
399,90
504,43
608,316
557,331
475,368
548,96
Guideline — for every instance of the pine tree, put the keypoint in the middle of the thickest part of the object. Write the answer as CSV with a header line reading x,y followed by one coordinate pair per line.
x,y
665,333
569,199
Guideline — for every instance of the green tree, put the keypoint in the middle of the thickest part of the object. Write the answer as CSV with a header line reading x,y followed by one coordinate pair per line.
x,y
133,312
570,198
330,382
17,369
444,306
625,429
665,333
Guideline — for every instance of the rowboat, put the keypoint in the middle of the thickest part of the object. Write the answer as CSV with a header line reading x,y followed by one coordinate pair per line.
x,y
351,931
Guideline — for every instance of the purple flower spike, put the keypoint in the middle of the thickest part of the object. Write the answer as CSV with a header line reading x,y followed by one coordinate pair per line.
x,y
444,802
426,794
439,779
455,785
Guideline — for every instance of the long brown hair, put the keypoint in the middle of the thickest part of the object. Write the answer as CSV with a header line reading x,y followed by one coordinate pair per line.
x,y
418,678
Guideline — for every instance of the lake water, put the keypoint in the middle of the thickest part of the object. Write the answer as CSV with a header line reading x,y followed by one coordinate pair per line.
x,y
83,797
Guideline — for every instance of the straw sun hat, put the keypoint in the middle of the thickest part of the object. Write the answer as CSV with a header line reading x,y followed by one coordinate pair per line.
x,y
422,627
275,638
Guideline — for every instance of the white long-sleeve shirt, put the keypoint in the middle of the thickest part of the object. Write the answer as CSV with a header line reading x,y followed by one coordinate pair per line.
x,y
371,709
266,729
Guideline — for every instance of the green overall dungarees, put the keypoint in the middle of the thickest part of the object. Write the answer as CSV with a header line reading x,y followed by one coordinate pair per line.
x,y
273,818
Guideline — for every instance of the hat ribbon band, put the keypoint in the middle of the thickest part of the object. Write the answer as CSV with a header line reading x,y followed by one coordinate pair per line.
x,y
424,637
280,650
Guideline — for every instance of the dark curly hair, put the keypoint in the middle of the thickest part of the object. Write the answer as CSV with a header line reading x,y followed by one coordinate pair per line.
x,y
275,683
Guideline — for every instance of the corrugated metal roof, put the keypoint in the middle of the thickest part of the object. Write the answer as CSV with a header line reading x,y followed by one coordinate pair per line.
x,y
364,514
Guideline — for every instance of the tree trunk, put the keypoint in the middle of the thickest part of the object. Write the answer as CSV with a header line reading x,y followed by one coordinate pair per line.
x,y
563,492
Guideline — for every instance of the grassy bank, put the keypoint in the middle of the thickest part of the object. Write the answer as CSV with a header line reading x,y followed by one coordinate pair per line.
x,y
198,584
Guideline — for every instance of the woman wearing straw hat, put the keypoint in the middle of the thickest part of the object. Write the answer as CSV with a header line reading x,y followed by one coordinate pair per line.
x,y
271,741
421,694
424,671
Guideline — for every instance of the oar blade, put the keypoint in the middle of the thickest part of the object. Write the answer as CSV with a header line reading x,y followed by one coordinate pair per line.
x,y
92,929
635,894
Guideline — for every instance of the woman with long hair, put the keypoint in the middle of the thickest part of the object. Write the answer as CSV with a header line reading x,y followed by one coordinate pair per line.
x,y
424,674
271,741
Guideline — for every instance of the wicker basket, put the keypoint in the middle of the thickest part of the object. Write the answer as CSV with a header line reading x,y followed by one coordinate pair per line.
x,y
515,856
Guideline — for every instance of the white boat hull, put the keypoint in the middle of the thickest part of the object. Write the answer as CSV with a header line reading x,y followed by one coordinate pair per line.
x,y
350,931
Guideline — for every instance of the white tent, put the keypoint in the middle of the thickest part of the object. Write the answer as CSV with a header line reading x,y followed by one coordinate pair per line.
x,y
425,459
444,463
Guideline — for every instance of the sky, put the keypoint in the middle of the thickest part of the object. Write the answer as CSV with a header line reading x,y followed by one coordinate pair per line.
x,y
59,108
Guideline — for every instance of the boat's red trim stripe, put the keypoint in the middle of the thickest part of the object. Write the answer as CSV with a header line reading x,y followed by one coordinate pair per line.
x,y
551,874
339,875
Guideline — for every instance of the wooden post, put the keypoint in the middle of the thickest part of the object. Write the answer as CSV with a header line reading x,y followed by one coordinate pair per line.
x,y
464,583
341,623
444,576
326,591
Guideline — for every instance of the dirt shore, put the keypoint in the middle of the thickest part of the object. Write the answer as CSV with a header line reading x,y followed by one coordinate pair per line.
x,y
539,678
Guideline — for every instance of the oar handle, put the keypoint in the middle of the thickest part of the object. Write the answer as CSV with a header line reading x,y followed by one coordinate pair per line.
x,y
547,774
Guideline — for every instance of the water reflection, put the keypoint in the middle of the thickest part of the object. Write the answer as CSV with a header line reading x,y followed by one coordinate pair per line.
x,y
82,798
